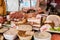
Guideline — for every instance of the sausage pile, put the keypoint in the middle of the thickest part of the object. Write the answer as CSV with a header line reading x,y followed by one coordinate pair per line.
x,y
16,15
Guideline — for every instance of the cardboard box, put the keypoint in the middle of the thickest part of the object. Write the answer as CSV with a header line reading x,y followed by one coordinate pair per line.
x,y
1,10
0,2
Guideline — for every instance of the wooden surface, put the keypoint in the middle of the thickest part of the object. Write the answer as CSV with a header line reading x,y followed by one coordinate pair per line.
x,y
1,37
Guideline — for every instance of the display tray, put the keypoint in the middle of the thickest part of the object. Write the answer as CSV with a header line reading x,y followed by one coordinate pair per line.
x,y
19,39
2,30
55,30
14,39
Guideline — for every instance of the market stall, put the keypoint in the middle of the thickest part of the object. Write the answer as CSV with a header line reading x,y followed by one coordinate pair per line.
x,y
27,20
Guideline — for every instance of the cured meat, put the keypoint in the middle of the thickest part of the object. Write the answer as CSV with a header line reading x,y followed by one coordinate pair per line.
x,y
54,18
17,15
1,19
55,37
